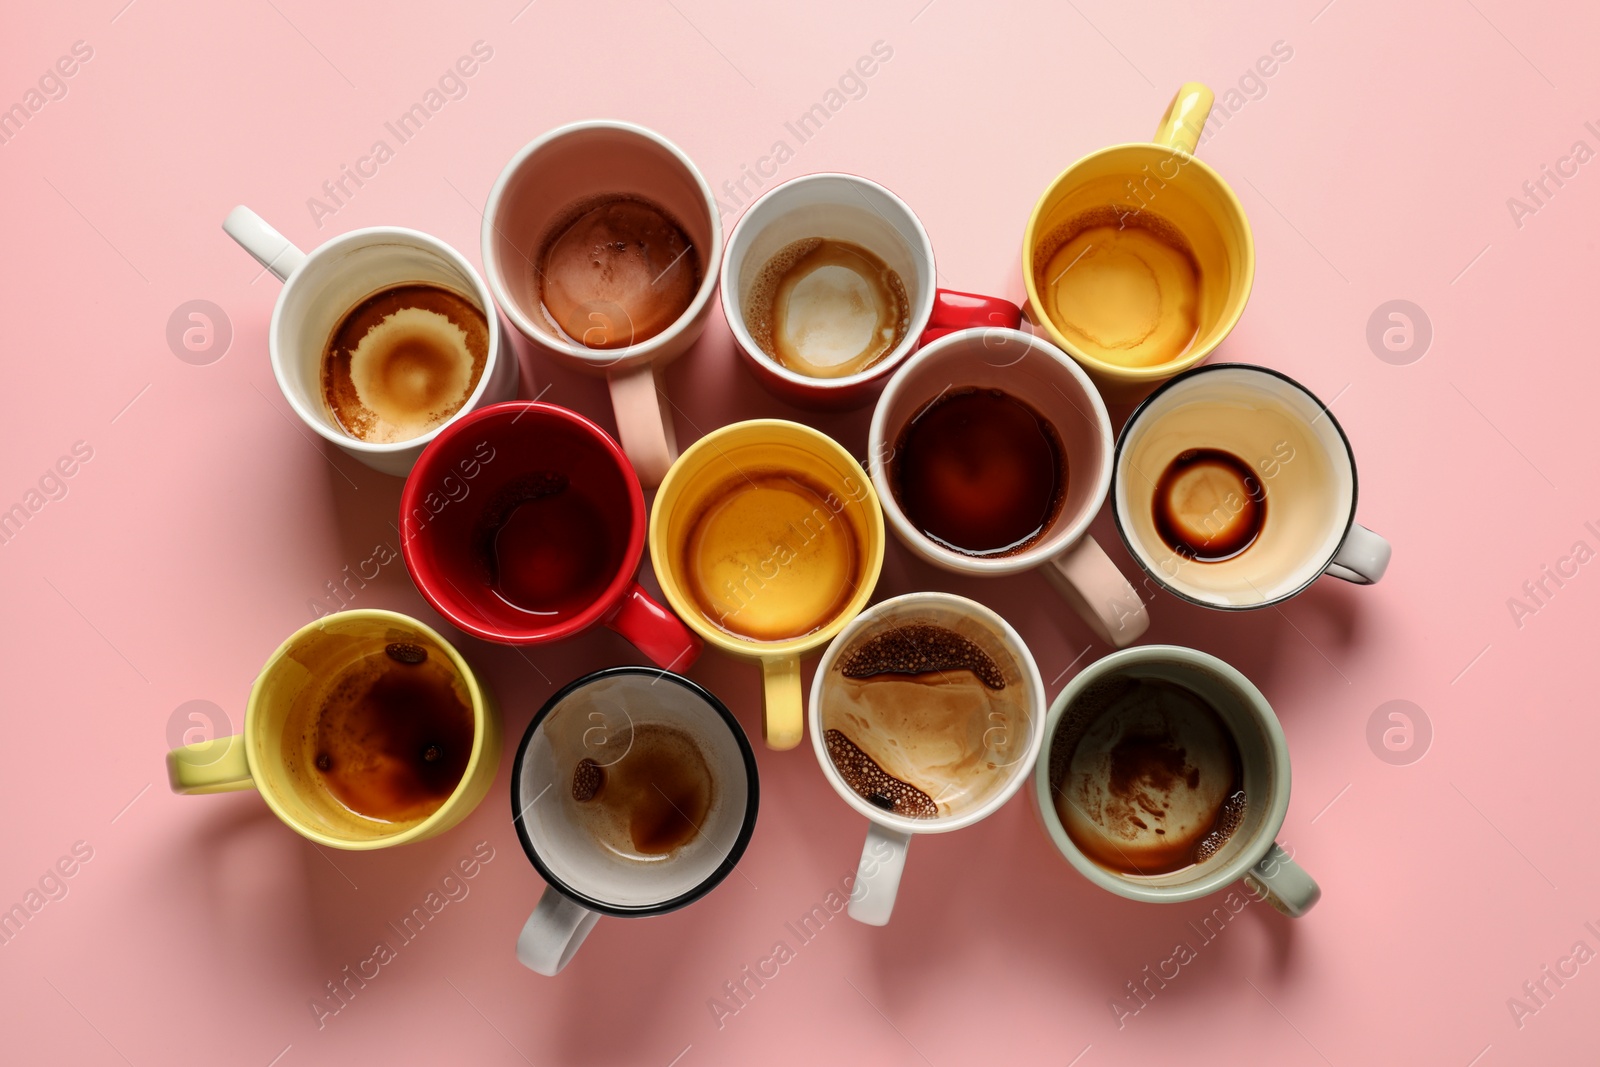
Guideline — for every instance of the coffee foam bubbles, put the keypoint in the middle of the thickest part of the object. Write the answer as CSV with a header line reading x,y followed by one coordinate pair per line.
x,y
936,718
410,373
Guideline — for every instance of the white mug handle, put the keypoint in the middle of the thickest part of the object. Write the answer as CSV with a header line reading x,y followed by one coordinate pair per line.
x,y
883,861
1283,883
1362,558
552,934
1087,579
270,248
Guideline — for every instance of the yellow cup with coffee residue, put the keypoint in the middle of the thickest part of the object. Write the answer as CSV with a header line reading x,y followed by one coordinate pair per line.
x,y
1138,258
767,538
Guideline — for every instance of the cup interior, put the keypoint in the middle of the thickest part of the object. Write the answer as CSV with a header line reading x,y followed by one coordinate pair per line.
x,y
333,280
1030,370
841,207
558,174
969,762
600,718
1263,755
1300,458
704,475
288,698
1130,183
468,479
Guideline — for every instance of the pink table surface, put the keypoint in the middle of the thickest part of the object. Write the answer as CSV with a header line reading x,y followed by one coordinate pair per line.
x,y
1376,163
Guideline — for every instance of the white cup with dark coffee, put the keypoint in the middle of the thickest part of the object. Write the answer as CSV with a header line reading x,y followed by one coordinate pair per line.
x,y
634,793
380,337
927,713
1164,777
1235,488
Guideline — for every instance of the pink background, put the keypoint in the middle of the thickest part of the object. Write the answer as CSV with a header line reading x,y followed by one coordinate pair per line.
x,y
1376,166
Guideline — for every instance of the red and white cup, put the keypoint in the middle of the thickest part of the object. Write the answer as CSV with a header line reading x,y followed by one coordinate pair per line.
x,y
471,464
537,189
844,207
1047,379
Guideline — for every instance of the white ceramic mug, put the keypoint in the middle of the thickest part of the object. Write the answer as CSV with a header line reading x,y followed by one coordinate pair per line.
x,y
592,720
1251,852
1042,376
1301,469
322,286
883,858
845,207
537,190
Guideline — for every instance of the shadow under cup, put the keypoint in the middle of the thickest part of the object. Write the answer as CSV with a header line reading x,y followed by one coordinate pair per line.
x,y
1263,760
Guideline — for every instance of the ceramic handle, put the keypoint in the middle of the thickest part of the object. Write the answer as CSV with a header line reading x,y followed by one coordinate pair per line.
x,y
1186,116
215,766
553,933
954,311
883,861
783,722
643,426
1362,558
1096,589
1283,883
654,630
270,248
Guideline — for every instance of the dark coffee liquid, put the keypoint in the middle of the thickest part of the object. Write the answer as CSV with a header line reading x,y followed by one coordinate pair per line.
x,y
1209,505
980,472
544,548
394,735
1146,777
616,273
653,799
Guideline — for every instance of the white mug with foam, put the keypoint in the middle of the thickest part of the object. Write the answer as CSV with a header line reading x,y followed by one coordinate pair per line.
x,y
322,286
883,858
1302,471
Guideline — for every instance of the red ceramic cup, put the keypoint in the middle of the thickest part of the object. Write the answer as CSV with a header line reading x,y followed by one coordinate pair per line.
x,y
578,551
846,208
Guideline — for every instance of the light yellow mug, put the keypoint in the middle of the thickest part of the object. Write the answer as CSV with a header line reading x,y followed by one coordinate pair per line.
x,y
1138,259
284,700
767,538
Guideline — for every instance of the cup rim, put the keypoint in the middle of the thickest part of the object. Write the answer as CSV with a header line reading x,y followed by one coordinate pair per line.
x,y
732,311
700,889
667,573
878,446
1030,669
446,810
1225,874
420,564
647,349
1127,539
414,237
1160,371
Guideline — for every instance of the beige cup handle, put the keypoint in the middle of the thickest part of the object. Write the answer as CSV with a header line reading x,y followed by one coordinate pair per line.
x,y
1096,589
644,424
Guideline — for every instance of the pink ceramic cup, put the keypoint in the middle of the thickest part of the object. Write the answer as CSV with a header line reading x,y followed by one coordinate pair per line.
x,y
1045,378
535,193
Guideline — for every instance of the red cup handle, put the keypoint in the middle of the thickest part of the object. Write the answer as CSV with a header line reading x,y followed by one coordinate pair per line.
x,y
954,311
654,630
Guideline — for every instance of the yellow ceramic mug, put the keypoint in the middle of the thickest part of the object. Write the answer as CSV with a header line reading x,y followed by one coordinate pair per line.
x,y
767,539
286,700
1138,258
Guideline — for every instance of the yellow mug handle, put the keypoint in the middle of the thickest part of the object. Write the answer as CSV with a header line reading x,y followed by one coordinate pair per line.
x,y
1180,127
783,724
215,766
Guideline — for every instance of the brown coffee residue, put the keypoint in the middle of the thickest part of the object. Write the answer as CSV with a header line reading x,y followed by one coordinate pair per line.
x,y
920,648
588,778
873,783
